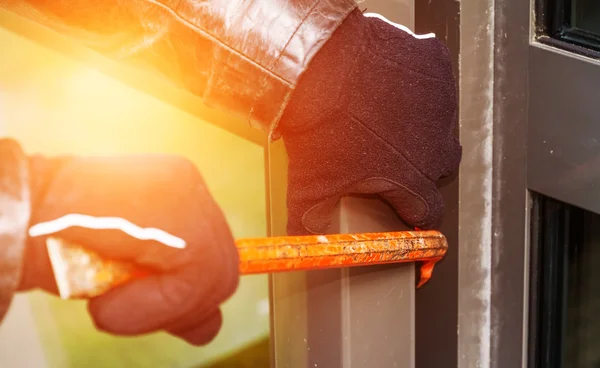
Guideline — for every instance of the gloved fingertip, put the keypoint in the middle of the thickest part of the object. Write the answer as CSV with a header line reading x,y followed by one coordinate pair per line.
x,y
316,224
415,211
317,219
141,306
101,323
204,332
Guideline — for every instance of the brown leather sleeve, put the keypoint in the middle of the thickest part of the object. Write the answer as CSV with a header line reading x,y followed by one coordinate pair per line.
x,y
14,218
242,56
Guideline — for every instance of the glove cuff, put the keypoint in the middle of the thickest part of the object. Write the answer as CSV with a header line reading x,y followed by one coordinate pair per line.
x,y
15,212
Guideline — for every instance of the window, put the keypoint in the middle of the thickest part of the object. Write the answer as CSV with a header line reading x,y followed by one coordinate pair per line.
x,y
573,22
565,274
585,16
46,94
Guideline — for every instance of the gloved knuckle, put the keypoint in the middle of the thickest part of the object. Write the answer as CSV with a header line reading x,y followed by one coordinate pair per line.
x,y
176,292
103,324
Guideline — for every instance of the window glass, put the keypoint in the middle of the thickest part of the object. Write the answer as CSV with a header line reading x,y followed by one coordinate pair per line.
x,y
585,16
573,22
582,315
55,105
566,279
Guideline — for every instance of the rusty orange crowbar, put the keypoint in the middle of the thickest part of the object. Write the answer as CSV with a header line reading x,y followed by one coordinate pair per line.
x,y
81,273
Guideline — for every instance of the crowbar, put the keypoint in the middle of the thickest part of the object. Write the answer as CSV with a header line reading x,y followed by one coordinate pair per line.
x,y
81,273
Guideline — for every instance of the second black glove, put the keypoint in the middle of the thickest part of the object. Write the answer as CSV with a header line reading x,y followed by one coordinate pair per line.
x,y
375,113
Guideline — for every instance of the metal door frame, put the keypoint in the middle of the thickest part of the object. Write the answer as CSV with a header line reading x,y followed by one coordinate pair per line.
x,y
512,99
493,193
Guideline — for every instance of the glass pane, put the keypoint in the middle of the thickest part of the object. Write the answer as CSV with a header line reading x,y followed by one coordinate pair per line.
x,y
55,105
583,297
565,315
586,16
575,24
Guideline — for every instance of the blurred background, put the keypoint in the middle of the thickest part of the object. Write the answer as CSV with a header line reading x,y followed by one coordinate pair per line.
x,y
55,105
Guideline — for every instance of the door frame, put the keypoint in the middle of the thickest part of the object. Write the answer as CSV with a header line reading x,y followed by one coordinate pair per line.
x,y
506,115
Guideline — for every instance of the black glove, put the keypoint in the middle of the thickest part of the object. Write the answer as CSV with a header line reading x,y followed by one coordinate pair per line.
x,y
375,113
187,286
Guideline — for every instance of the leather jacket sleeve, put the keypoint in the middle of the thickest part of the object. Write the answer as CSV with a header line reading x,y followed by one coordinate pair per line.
x,y
14,218
241,56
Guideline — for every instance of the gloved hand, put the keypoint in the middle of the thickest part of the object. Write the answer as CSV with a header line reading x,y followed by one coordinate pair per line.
x,y
375,113
187,287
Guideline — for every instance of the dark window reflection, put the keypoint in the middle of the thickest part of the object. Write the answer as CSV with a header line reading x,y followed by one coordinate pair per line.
x,y
569,24
583,297
565,289
585,16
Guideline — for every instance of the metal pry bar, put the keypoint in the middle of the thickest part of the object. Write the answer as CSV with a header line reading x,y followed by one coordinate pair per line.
x,y
81,273
293,253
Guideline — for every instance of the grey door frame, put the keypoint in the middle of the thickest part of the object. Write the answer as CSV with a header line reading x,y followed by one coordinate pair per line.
x,y
436,316
493,198
516,95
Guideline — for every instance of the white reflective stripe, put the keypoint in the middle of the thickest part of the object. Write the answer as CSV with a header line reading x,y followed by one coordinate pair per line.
x,y
106,223
400,26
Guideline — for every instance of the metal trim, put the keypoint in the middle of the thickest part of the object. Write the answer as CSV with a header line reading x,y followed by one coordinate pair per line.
x,y
563,127
476,182
436,328
493,263
510,197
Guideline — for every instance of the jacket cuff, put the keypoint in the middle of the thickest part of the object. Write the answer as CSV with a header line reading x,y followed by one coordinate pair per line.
x,y
15,211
